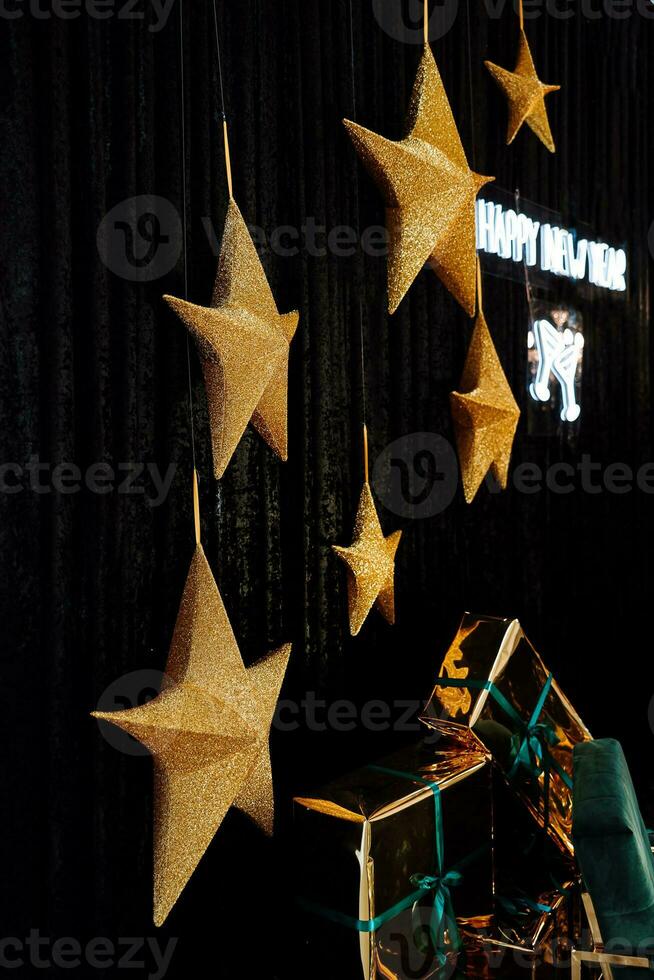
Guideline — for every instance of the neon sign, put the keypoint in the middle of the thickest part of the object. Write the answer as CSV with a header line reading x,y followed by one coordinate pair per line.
x,y
516,237
555,346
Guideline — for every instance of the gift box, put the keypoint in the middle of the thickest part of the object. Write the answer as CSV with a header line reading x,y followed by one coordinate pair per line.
x,y
493,684
537,888
388,857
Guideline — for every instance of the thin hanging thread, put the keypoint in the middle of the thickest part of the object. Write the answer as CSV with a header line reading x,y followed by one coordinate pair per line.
x,y
228,159
521,15
426,22
182,89
357,228
479,287
530,302
470,88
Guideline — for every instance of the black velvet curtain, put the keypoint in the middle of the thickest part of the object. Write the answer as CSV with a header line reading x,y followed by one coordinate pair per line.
x,y
93,369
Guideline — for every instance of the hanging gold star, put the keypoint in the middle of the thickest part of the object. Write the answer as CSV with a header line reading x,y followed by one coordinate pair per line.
x,y
485,414
208,733
243,342
526,95
370,564
429,192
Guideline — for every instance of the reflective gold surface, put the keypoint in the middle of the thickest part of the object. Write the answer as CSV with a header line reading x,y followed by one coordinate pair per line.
x,y
363,869
497,650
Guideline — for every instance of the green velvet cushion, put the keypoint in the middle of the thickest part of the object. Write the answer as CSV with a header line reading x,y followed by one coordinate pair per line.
x,y
613,850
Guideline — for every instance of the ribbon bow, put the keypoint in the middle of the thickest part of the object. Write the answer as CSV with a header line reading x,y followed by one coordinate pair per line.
x,y
442,916
531,746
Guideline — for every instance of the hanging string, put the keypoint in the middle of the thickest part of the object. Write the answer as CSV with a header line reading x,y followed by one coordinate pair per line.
x,y
521,14
530,298
358,236
470,87
479,287
228,159
182,106
426,22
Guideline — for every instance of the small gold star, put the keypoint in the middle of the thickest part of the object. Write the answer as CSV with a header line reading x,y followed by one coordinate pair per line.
x,y
243,342
370,564
485,414
526,95
208,734
429,192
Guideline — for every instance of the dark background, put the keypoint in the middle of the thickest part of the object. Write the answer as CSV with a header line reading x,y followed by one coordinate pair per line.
x,y
93,368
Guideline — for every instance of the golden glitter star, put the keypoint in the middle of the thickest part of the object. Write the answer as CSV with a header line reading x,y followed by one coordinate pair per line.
x,y
370,564
485,414
429,192
243,342
526,95
208,734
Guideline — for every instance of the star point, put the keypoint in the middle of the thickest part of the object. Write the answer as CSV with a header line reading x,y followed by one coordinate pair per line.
x,y
429,191
485,414
526,95
207,731
370,562
243,343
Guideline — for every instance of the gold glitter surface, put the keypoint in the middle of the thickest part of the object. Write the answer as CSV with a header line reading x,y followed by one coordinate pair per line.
x,y
526,95
243,343
485,414
429,192
208,733
370,564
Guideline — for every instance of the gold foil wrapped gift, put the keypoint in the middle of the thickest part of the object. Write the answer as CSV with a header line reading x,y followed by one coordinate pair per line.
x,y
493,684
388,858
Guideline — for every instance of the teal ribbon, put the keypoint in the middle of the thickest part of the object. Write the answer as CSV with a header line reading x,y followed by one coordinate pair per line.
x,y
440,884
536,737
519,904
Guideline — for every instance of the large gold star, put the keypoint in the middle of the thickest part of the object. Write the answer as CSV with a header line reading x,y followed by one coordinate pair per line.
x,y
208,733
485,414
429,192
370,564
526,95
243,342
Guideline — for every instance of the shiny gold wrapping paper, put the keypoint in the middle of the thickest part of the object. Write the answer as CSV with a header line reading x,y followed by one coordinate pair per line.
x,y
359,841
497,650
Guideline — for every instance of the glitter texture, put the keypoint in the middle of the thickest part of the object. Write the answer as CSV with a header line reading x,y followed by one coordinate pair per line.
x,y
243,342
370,565
208,733
485,414
429,192
526,95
